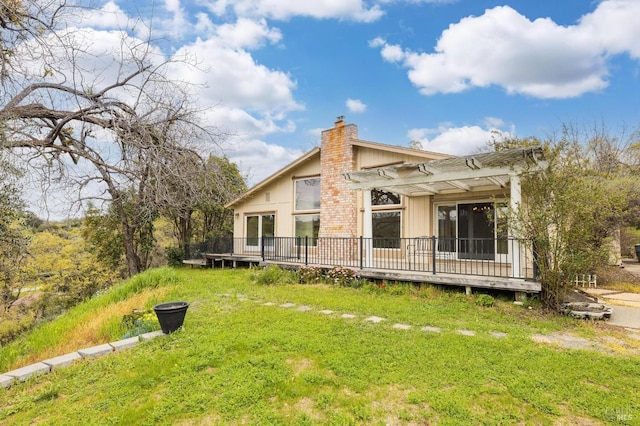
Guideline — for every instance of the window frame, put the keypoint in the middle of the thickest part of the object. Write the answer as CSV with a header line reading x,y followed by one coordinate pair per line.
x,y
313,201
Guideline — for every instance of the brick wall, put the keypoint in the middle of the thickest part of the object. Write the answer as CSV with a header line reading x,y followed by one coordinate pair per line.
x,y
338,203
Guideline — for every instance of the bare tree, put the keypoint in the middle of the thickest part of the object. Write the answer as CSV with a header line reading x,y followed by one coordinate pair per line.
x,y
113,122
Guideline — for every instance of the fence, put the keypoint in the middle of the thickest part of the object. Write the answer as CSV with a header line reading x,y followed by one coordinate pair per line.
x,y
507,258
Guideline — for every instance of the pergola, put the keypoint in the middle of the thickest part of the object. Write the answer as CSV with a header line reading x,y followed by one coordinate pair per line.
x,y
465,174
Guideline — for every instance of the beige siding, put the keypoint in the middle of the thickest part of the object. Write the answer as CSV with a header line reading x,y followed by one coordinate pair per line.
x,y
368,157
418,216
277,198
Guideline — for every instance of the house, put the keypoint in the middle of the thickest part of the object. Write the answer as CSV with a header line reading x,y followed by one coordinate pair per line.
x,y
392,212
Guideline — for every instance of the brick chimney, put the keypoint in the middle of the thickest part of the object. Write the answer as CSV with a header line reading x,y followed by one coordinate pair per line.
x,y
338,203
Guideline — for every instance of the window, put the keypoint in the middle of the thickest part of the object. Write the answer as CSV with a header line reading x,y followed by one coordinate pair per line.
x,y
447,228
384,198
307,194
307,225
258,227
386,229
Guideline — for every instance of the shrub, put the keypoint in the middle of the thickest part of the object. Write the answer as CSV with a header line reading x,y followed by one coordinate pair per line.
x,y
342,276
12,325
309,274
273,274
175,255
485,300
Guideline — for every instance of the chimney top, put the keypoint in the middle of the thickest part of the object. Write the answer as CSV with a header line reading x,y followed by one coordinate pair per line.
x,y
340,121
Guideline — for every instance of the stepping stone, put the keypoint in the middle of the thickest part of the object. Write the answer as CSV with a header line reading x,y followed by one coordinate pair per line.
x,y
374,319
348,316
326,311
63,360
24,373
466,332
402,326
6,381
287,305
303,308
268,304
151,335
431,329
498,334
125,343
96,351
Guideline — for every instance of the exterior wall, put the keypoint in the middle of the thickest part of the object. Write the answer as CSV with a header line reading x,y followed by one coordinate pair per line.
x,y
338,203
418,217
369,158
275,198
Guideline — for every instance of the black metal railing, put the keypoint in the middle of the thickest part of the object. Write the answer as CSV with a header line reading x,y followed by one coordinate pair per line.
x,y
507,257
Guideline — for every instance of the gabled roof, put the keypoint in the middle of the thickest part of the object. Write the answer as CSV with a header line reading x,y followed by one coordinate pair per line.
x,y
458,174
428,155
273,177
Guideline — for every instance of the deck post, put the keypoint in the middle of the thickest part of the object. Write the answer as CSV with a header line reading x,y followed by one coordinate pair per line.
x,y
367,228
434,243
515,201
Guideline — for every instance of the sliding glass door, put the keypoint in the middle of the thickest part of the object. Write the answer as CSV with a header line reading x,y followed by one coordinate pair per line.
x,y
472,230
476,231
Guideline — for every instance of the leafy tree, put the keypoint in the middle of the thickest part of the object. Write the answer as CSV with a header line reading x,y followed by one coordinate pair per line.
x,y
13,236
217,220
65,267
103,234
570,208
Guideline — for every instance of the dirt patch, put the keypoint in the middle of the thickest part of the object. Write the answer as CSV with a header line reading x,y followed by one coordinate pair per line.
x,y
621,345
299,365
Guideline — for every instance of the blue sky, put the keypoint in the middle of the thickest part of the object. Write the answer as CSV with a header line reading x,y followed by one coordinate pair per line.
x,y
445,72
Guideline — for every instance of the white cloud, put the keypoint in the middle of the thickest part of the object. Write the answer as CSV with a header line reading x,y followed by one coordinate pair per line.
x,y
239,123
614,25
246,33
251,155
234,80
356,105
354,10
392,53
538,58
463,140
110,15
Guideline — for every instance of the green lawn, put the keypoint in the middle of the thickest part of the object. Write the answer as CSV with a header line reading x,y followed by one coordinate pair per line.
x,y
239,361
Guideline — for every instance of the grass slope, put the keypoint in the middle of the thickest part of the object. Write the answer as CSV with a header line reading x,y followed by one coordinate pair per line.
x,y
240,362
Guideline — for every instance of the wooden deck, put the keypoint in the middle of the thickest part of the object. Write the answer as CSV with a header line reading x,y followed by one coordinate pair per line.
x,y
467,281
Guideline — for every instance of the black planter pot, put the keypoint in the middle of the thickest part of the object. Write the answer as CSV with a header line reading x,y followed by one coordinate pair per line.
x,y
171,315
